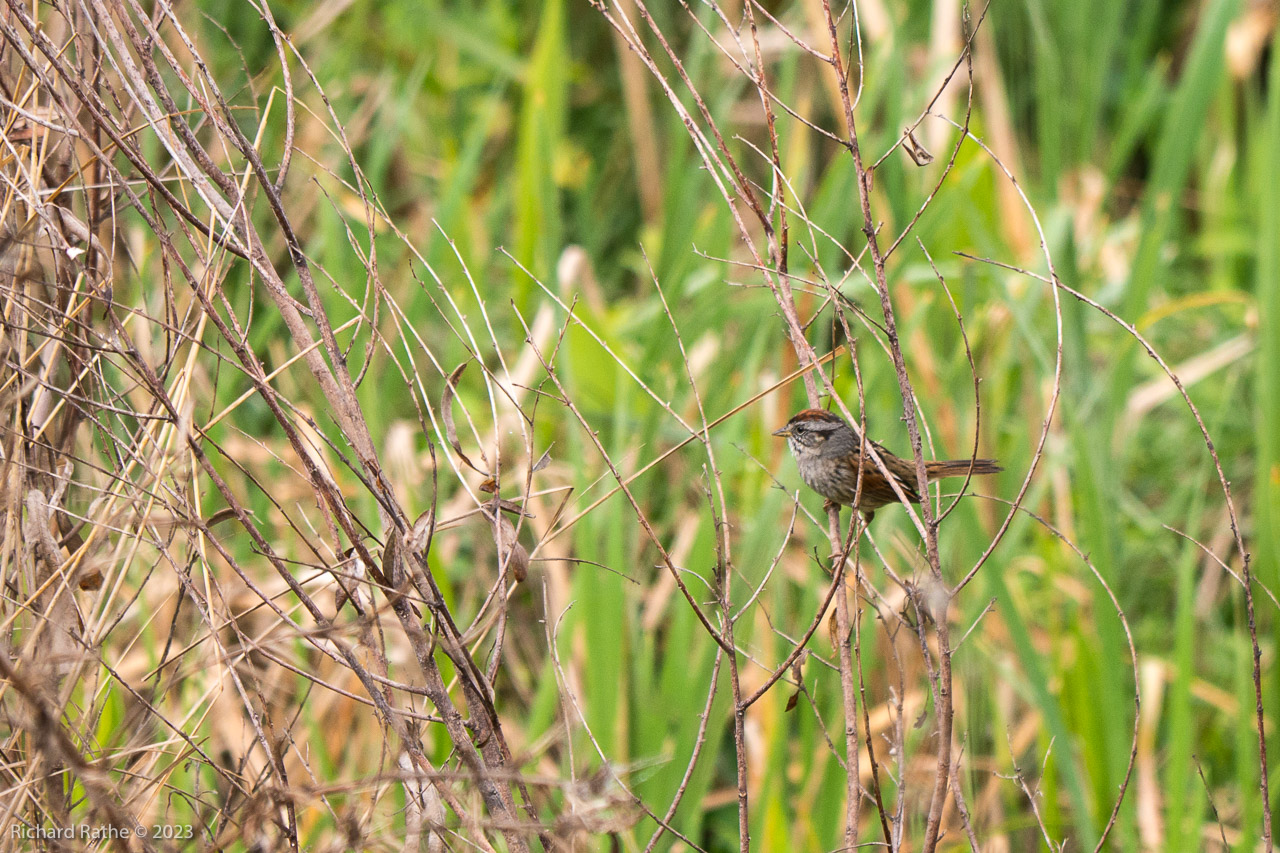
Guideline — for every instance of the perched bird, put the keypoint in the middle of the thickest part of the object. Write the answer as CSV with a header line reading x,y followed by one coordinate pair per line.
x,y
828,452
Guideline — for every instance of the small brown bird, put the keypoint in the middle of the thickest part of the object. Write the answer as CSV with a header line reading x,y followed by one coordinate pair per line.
x,y
828,452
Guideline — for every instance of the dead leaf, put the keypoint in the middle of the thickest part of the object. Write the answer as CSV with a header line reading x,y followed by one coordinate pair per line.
x,y
543,461
423,529
511,554
350,564
446,413
917,152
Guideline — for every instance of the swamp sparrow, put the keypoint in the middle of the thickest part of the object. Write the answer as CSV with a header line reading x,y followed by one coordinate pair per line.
x,y
828,453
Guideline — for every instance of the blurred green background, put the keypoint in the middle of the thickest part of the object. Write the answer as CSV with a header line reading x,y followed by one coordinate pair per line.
x,y
1147,138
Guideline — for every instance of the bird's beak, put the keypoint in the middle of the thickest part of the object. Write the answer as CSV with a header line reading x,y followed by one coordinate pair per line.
x,y
782,433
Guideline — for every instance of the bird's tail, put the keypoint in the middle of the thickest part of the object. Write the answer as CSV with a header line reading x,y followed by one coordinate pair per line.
x,y
960,468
